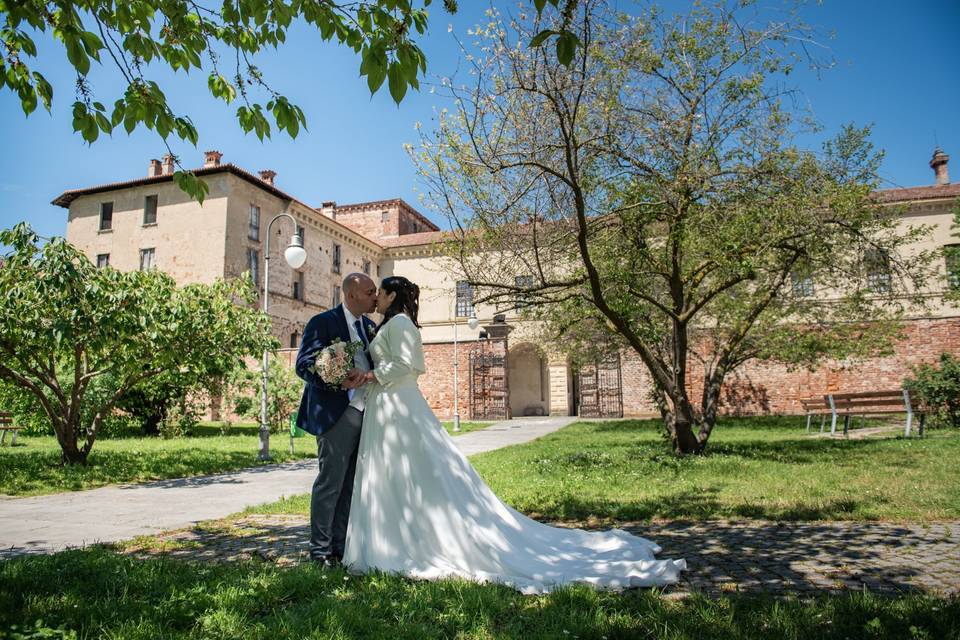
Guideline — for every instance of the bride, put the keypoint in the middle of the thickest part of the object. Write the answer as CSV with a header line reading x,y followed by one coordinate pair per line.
x,y
420,509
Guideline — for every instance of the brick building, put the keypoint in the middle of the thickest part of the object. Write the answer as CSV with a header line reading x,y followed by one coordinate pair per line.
x,y
501,369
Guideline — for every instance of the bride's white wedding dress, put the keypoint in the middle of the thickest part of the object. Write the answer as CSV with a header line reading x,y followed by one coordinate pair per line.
x,y
421,510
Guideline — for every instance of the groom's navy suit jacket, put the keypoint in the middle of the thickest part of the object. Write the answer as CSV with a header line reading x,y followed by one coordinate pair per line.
x,y
322,404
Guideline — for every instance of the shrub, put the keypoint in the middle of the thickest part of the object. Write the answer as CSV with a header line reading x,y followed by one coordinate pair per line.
x,y
936,388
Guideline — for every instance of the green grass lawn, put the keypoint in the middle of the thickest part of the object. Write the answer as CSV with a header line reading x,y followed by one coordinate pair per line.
x,y
765,468
101,594
465,427
33,466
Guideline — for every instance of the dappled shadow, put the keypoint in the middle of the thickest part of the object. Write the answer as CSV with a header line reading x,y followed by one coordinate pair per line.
x,y
703,503
797,451
100,594
807,556
722,556
226,478
741,396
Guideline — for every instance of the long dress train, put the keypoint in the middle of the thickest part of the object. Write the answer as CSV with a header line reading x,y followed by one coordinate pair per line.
x,y
420,509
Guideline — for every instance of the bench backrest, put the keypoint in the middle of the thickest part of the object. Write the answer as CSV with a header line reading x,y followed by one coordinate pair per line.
x,y
891,398
814,403
6,417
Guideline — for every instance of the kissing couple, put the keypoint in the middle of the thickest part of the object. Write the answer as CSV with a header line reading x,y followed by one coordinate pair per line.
x,y
395,494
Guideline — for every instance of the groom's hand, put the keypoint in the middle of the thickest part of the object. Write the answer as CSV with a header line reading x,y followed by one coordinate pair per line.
x,y
353,380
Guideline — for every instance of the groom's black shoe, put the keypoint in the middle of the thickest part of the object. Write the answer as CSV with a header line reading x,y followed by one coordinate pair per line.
x,y
328,562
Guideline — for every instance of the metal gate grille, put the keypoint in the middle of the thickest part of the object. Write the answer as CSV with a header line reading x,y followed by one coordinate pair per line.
x,y
489,395
601,394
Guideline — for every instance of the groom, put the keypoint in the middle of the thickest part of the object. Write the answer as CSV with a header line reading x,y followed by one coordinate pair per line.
x,y
334,415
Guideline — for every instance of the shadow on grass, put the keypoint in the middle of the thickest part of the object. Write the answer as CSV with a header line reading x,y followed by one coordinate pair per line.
x,y
689,505
98,594
42,472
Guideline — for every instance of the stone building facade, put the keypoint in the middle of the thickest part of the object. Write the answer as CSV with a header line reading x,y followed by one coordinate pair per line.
x,y
505,367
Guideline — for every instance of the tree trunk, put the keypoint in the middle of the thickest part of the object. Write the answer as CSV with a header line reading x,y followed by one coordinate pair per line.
x,y
681,422
70,453
66,427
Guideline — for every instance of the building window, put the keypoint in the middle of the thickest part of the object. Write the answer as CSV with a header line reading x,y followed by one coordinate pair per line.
x,y
385,217
378,271
951,255
106,216
336,296
302,233
464,299
148,259
254,232
877,264
103,260
150,210
802,284
253,266
336,258
522,282
298,285
294,340
366,267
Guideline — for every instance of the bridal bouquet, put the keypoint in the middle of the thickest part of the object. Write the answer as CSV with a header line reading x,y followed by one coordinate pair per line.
x,y
335,361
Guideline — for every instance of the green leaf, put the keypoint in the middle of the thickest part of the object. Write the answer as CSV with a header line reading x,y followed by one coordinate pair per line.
x,y
566,48
541,37
397,82
119,109
376,77
44,90
77,56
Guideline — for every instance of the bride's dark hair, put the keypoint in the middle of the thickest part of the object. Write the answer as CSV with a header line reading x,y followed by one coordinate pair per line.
x,y
407,300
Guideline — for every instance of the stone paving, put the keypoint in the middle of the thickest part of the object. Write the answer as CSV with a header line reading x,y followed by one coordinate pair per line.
x,y
779,558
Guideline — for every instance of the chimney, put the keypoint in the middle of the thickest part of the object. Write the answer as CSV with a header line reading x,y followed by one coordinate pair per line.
x,y
267,175
211,159
155,168
168,165
329,209
939,165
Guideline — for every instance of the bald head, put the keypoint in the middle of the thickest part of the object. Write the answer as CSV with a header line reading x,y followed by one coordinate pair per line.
x,y
359,294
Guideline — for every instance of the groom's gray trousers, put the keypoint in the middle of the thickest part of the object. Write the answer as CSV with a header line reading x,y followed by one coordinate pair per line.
x,y
333,488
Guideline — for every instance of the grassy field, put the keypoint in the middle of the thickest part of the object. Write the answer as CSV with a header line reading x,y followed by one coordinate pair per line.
x,y
33,466
100,594
765,468
465,427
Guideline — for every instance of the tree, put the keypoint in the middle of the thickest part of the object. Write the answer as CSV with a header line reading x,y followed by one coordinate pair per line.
x,y
180,34
952,258
283,397
66,325
653,190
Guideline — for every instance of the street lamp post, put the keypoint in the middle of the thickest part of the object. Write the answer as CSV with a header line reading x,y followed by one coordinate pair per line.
x,y
295,255
473,323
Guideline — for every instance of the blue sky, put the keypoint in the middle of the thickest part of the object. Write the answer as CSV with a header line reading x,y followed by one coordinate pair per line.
x,y
898,67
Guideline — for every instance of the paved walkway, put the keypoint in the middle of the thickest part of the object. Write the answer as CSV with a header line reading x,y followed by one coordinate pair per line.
x,y
45,524
722,556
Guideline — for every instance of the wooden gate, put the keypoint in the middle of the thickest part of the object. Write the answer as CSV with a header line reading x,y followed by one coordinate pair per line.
x,y
489,394
599,388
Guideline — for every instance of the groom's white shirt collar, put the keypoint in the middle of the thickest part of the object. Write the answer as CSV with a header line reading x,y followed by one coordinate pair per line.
x,y
350,317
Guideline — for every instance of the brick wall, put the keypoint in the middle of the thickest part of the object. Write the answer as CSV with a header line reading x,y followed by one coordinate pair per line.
x,y
437,383
769,388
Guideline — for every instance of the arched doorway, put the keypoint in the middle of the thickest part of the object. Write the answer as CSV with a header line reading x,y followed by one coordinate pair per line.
x,y
529,376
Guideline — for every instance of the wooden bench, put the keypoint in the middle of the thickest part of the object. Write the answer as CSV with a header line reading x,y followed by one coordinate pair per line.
x,y
870,403
816,407
6,424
